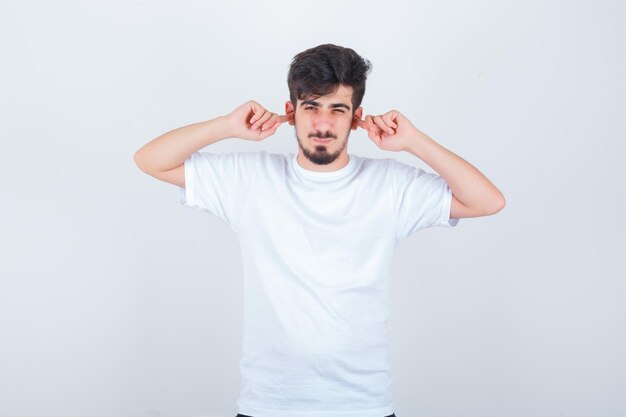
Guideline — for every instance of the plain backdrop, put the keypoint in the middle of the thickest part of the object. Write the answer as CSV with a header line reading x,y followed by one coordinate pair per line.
x,y
116,300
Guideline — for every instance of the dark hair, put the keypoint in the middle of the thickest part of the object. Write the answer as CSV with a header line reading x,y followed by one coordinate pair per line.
x,y
318,71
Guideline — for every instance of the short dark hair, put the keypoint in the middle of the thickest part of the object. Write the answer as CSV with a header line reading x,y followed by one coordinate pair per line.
x,y
318,71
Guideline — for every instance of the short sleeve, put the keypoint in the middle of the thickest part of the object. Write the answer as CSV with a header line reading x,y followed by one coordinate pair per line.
x,y
218,183
421,199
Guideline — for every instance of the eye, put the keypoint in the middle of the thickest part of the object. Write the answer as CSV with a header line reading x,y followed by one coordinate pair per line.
x,y
313,107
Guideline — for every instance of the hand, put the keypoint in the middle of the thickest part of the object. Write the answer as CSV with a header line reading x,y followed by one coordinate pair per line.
x,y
390,131
251,121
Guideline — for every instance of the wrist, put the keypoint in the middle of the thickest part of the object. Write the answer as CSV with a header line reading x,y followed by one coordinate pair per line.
x,y
417,144
221,127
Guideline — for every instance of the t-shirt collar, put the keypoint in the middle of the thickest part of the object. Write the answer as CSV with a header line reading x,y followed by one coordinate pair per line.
x,y
324,175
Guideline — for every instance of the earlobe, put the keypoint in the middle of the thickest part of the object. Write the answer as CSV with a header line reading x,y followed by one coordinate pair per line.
x,y
357,118
355,122
289,111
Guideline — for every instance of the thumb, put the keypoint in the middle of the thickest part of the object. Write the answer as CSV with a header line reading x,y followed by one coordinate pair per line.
x,y
269,132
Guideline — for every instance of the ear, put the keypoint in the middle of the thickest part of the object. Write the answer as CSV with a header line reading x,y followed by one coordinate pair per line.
x,y
289,111
357,116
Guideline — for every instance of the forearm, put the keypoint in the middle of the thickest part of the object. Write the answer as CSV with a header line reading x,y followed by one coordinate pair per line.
x,y
467,183
172,148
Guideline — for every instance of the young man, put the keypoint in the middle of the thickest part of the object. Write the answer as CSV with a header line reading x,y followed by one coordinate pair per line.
x,y
317,231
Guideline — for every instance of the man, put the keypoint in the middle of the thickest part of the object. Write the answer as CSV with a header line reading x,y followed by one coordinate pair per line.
x,y
317,232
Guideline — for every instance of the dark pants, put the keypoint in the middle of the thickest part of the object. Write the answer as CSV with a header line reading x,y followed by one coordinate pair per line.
x,y
243,415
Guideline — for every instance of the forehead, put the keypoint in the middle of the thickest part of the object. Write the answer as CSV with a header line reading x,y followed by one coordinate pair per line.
x,y
342,95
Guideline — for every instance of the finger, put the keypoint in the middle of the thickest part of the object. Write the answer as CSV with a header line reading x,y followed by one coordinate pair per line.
x,y
257,115
381,123
273,128
384,125
275,119
389,118
366,123
373,131
264,134
284,118
262,120
257,125
371,127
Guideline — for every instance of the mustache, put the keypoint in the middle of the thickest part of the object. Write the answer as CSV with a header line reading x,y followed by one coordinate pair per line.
x,y
326,135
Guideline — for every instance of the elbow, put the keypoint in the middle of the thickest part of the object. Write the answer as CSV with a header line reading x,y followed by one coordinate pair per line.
x,y
498,204
138,160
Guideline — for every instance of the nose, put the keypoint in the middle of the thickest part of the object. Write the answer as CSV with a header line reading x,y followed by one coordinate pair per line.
x,y
322,122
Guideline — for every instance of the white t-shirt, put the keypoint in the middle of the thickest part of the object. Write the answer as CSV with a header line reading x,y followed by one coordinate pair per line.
x,y
316,250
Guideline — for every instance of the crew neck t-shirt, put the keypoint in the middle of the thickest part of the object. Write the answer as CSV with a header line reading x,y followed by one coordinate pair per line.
x,y
316,249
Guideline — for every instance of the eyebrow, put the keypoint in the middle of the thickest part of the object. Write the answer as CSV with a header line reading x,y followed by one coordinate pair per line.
x,y
316,104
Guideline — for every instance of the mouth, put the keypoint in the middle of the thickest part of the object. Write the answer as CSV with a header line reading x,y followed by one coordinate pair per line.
x,y
318,140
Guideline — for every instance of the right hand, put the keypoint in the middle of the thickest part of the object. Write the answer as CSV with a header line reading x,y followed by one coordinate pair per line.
x,y
251,121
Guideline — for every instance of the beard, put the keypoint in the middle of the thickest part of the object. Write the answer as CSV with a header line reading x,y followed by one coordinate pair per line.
x,y
319,153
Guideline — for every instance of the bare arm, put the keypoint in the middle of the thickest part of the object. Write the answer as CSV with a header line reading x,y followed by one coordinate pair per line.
x,y
164,157
170,150
473,195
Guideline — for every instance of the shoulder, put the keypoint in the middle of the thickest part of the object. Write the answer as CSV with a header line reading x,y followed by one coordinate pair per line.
x,y
271,158
371,164
226,155
228,161
402,169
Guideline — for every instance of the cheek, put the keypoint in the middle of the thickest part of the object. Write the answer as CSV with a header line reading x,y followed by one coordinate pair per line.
x,y
298,121
346,125
303,125
301,130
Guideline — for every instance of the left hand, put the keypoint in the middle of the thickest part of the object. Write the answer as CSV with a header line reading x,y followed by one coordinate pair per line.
x,y
390,131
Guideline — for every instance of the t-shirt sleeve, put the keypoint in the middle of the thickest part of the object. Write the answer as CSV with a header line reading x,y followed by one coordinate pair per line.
x,y
218,183
421,199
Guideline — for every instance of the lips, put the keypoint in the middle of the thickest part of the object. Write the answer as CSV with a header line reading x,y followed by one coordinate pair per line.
x,y
318,140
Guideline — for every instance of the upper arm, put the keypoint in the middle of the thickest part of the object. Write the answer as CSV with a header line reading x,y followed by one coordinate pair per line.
x,y
174,176
459,210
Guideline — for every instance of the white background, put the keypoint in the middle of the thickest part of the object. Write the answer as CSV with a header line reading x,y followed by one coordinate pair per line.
x,y
115,300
